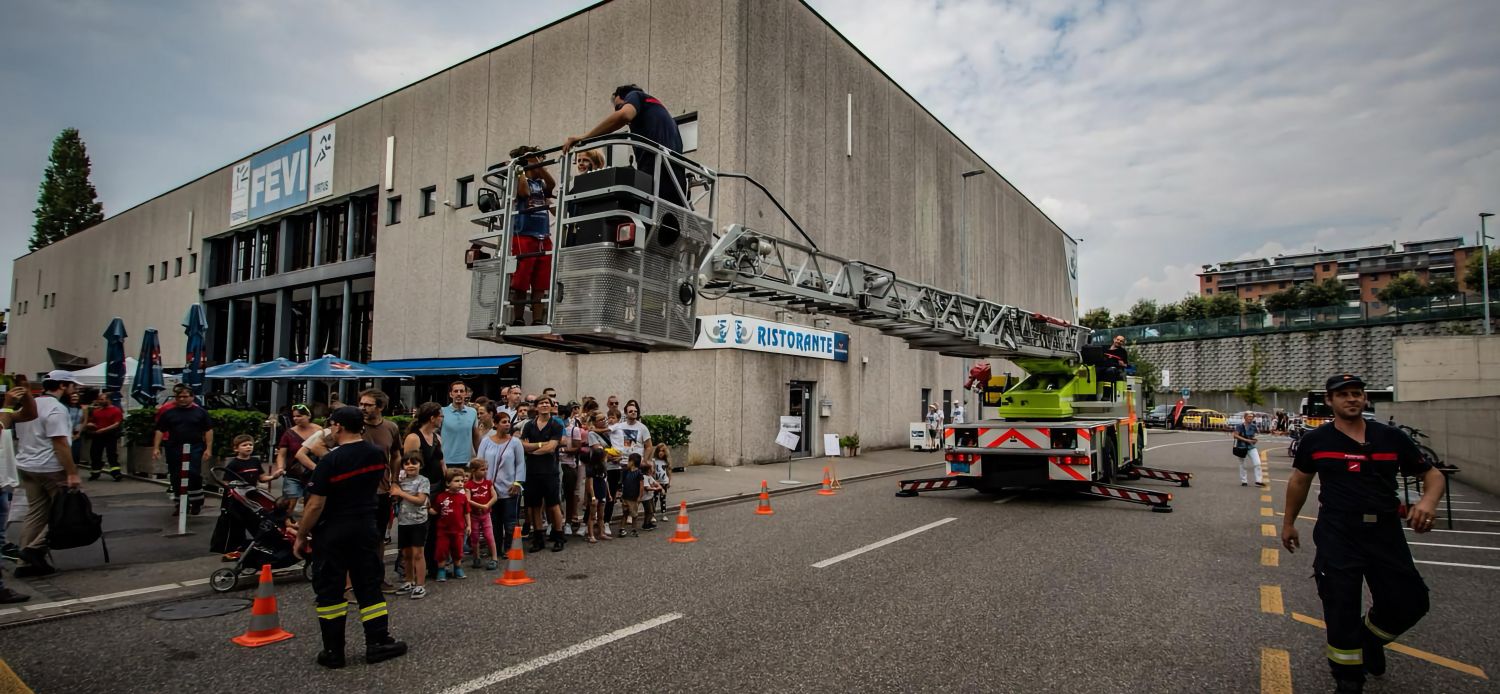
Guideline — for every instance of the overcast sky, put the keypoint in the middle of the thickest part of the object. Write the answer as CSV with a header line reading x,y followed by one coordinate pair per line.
x,y
1165,134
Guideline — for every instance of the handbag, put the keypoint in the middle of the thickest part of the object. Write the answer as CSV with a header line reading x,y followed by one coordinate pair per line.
x,y
1240,451
73,522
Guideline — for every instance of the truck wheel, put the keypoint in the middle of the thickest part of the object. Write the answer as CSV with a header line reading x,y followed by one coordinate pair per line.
x,y
1108,458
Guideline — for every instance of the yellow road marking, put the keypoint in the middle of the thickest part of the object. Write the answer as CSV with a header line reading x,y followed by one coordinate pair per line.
x,y
1270,600
1267,530
1266,498
1404,649
1275,671
10,683
1269,557
1266,511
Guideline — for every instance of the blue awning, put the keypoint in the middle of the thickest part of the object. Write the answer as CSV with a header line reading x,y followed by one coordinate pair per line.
x,y
456,366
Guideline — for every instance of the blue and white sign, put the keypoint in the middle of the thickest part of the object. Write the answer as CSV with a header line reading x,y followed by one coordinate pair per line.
x,y
756,335
278,177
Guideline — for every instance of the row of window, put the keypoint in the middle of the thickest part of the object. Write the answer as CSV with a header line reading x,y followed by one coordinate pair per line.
x,y
324,235
122,281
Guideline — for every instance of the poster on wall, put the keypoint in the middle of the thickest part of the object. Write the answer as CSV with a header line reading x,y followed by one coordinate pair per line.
x,y
320,168
1070,251
239,193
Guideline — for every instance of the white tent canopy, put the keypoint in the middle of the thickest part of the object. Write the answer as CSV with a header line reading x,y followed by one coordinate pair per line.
x,y
95,375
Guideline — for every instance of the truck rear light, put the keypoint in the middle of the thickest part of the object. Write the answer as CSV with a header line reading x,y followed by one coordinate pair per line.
x,y
625,234
961,457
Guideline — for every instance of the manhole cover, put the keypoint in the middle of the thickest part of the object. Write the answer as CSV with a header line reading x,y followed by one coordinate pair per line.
x,y
131,532
576,577
198,609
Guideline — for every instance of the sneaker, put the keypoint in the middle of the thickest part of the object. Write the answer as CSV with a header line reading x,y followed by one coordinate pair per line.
x,y
1260,484
377,652
579,530
568,528
10,551
404,589
386,587
8,597
1244,484
476,562
418,592
332,660
607,532
442,576
558,541
649,526
491,565
458,572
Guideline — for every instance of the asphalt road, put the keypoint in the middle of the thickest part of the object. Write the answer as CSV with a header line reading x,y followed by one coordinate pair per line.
x,y
1036,593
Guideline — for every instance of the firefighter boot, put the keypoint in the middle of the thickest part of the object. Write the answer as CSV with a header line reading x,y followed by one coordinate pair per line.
x,y
1374,650
538,541
332,655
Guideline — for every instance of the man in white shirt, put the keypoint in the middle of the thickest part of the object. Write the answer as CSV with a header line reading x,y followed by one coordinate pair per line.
x,y
19,407
630,435
958,413
44,459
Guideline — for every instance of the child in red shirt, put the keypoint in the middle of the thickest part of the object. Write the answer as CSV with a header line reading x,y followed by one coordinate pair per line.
x,y
481,498
452,510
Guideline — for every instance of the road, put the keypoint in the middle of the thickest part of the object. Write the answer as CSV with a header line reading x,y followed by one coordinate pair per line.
x,y
1031,592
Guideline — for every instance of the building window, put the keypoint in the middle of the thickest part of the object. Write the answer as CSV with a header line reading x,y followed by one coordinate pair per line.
x,y
127,280
429,201
117,284
163,269
1209,291
150,274
54,299
44,302
177,267
465,191
687,125
393,210
1282,286
192,263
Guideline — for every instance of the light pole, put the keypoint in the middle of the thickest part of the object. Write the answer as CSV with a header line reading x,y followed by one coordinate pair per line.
x,y
963,259
1484,264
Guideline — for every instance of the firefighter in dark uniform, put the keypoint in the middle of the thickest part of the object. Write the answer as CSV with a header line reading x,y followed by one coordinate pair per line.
x,y
340,514
1358,533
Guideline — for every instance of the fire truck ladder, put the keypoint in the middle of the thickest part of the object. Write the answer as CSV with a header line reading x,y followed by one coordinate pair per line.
x,y
755,266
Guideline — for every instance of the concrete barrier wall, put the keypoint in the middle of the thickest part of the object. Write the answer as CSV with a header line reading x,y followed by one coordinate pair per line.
x,y
1465,432
1433,368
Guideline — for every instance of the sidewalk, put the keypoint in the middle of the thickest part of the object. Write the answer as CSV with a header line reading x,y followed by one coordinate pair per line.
x,y
143,561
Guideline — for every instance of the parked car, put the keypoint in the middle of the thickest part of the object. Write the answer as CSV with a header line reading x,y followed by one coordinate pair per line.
x,y
1158,416
1199,418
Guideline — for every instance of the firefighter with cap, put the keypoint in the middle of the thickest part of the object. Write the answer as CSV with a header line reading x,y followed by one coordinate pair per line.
x,y
1358,533
340,513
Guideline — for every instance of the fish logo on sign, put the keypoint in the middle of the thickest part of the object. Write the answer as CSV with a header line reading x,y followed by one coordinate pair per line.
x,y
719,332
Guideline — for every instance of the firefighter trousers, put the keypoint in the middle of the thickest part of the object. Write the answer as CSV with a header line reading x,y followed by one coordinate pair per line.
x,y
349,547
1364,549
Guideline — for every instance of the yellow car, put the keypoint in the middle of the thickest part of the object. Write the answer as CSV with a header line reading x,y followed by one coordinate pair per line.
x,y
1204,419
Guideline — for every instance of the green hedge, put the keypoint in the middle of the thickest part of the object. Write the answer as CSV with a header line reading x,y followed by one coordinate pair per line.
x,y
140,429
668,429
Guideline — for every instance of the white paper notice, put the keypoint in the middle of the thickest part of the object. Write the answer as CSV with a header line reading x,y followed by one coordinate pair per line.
x,y
787,440
831,445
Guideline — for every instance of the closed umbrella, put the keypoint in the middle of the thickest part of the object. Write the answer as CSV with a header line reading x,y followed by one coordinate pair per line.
x,y
114,360
148,378
195,324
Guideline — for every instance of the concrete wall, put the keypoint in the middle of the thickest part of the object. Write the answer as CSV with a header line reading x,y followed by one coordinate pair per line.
x,y
1465,432
769,81
1434,368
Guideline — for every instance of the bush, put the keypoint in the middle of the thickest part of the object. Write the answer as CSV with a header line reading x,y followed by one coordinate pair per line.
x,y
403,422
140,429
850,441
140,426
668,429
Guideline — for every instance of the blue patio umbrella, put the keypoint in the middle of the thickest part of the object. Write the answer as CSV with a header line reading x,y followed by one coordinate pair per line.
x,y
271,370
235,369
329,367
114,360
195,324
148,378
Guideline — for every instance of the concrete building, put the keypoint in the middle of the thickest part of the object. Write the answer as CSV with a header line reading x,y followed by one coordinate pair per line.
x,y
1363,270
357,248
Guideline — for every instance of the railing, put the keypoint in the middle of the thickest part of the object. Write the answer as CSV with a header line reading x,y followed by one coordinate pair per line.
x,y
1458,306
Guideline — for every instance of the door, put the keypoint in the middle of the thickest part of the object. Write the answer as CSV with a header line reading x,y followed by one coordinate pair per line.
x,y
799,407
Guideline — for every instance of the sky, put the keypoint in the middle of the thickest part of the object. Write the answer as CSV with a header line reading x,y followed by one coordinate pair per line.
x,y
1165,134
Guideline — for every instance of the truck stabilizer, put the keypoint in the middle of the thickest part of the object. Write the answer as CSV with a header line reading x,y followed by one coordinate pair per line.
x,y
1135,472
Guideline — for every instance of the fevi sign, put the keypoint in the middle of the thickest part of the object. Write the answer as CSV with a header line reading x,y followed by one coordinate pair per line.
x,y
282,177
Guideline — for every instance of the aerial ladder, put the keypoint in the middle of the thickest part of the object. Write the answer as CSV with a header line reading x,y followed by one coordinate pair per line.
x,y
637,247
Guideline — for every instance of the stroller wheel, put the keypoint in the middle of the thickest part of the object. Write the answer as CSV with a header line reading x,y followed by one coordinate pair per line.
x,y
223,580
307,570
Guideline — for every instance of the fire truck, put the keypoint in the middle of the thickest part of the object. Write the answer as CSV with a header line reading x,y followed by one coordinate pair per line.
x,y
637,246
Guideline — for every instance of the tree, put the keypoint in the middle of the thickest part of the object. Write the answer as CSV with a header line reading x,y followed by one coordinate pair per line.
x,y
1329,292
1193,307
1252,307
1251,392
1148,372
1096,319
1143,312
1168,313
1406,286
1474,273
1223,305
1442,286
1284,300
67,203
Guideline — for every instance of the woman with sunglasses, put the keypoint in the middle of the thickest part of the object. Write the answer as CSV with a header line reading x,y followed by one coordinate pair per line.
x,y
295,477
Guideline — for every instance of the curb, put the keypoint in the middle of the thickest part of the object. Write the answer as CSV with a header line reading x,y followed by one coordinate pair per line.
x,y
752,496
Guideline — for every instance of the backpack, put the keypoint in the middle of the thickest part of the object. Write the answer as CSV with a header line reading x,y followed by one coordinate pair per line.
x,y
73,522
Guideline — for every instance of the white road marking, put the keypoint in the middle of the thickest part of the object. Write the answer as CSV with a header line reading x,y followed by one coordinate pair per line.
x,y
556,656
128,593
1465,532
1185,443
1466,566
1006,499
194,582
877,545
1471,510
1436,544
9,610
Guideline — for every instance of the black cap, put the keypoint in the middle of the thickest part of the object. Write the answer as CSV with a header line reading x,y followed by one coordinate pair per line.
x,y
349,418
1343,381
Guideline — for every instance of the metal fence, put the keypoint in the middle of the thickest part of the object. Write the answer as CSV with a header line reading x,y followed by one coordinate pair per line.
x,y
1458,306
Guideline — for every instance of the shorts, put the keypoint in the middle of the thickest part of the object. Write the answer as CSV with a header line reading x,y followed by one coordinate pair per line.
x,y
600,487
293,487
411,535
533,264
543,491
570,481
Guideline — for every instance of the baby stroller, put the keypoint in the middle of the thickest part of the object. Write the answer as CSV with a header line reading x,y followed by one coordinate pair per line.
x,y
250,509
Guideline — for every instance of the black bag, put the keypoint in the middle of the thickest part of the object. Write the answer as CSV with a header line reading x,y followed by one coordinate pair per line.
x,y
1240,451
73,522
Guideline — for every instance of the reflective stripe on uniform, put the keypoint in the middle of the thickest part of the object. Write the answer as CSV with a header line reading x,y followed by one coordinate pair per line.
x,y
1346,656
1383,634
368,613
333,611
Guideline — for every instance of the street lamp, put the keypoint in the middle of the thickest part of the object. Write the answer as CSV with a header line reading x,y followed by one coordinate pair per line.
x,y
963,254
1484,263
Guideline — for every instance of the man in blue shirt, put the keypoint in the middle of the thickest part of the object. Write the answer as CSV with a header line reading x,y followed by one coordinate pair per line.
x,y
1245,440
460,435
649,118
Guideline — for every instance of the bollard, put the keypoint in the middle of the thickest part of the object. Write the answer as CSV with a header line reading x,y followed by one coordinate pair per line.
x,y
182,491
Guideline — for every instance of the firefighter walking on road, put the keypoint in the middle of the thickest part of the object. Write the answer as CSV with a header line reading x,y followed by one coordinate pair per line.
x,y
340,514
1358,533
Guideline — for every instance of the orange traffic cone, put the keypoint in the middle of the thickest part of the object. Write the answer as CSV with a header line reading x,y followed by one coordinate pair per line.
x,y
265,625
515,563
683,533
764,507
827,489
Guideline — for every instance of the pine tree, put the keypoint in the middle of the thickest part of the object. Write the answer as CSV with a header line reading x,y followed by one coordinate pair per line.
x,y
68,202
